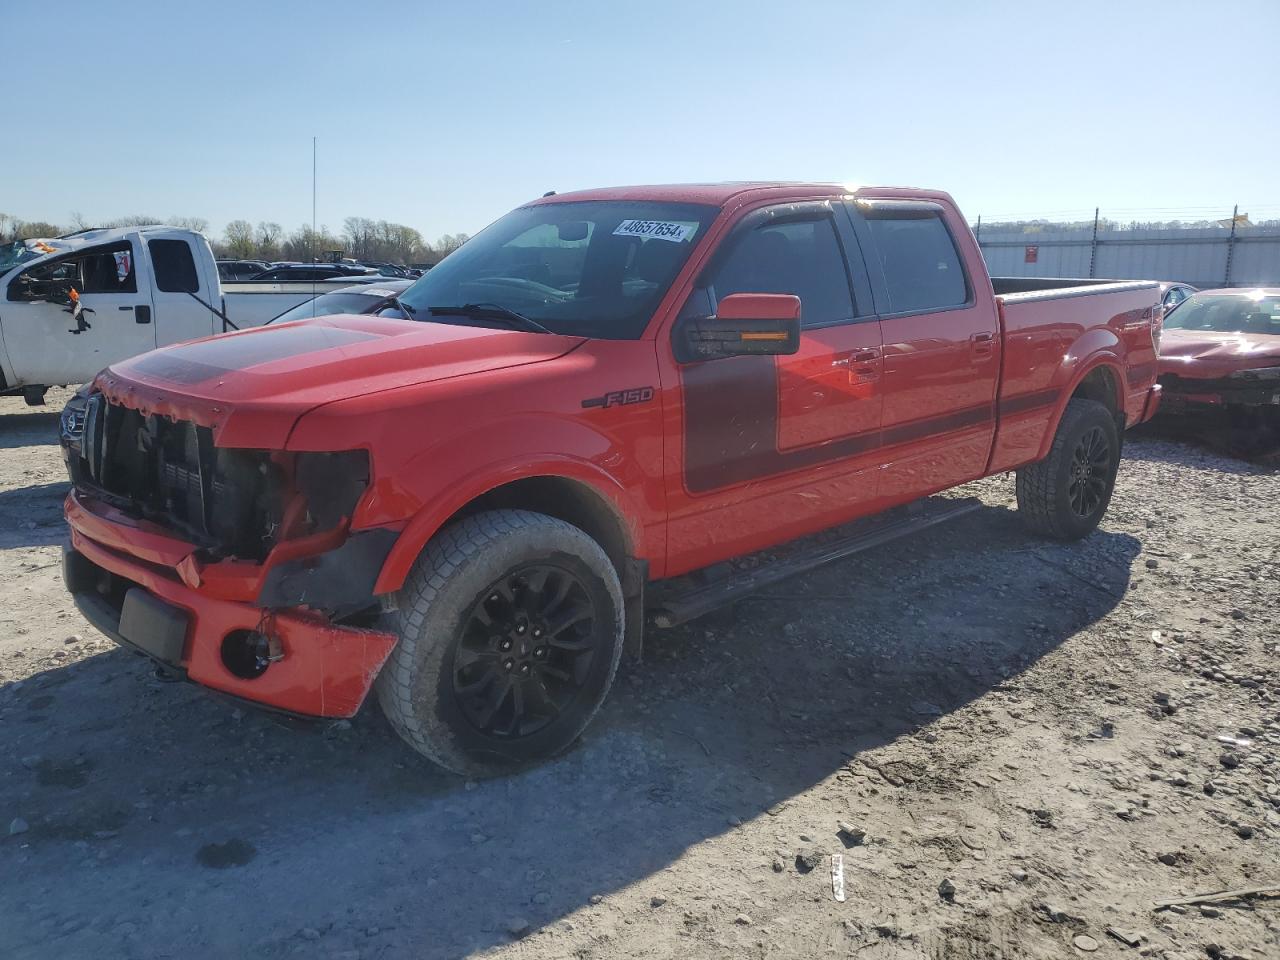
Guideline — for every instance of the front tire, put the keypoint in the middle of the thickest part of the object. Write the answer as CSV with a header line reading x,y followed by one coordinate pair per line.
x,y
1065,495
510,627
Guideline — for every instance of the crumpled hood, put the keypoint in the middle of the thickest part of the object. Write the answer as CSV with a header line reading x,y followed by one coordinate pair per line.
x,y
1208,356
252,386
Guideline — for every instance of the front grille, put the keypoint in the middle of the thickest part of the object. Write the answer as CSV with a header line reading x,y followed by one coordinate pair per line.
x,y
1232,390
169,471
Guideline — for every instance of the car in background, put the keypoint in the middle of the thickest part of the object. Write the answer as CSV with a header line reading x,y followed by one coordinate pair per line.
x,y
1173,293
1221,347
1220,366
388,269
240,269
358,298
310,271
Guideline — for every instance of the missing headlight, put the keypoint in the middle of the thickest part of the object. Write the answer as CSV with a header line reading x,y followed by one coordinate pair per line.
x,y
332,484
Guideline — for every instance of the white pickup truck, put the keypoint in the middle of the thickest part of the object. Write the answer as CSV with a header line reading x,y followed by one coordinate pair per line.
x,y
71,306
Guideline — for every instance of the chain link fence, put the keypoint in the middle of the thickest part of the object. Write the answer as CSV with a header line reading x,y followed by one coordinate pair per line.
x,y
1233,251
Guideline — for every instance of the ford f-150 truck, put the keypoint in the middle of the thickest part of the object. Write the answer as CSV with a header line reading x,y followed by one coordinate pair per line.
x,y
464,508
72,305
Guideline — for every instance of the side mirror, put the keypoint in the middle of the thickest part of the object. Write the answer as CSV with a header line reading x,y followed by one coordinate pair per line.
x,y
745,325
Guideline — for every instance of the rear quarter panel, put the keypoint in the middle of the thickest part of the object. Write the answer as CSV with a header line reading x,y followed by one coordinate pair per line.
x,y
1052,342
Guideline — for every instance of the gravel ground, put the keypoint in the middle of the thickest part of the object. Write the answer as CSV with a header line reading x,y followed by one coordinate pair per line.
x,y
1024,744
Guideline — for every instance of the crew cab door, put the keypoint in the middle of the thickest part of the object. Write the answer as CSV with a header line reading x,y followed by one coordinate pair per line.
x,y
47,345
773,446
941,344
178,317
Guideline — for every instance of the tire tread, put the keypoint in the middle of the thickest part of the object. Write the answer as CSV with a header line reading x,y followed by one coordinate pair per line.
x,y
1038,484
441,560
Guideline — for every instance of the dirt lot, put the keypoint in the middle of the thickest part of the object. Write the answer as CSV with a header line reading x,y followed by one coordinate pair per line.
x,y
1058,734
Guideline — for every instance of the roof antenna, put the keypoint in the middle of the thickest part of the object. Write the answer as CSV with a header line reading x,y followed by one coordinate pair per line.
x,y
549,193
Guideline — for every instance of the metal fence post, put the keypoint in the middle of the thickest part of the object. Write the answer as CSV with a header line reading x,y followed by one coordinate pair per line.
x,y
1231,244
978,232
1093,244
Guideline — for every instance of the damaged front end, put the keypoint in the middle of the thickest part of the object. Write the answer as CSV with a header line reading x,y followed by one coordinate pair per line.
x,y
1238,414
235,567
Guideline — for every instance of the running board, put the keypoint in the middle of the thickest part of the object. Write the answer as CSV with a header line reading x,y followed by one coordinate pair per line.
x,y
680,608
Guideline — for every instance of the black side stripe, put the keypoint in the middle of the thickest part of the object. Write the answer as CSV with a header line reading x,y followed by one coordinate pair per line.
x,y
731,421
1029,401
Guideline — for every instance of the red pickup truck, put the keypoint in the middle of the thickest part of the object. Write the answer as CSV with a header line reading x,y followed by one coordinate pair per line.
x,y
462,505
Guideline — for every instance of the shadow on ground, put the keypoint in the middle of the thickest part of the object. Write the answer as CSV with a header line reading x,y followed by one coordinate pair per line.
x,y
32,516
1251,440
28,429
165,823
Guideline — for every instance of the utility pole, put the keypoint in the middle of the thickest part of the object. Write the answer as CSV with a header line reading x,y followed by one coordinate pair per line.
x,y
1231,244
1093,244
313,199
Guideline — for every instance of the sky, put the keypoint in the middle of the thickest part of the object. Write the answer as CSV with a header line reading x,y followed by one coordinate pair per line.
x,y
443,116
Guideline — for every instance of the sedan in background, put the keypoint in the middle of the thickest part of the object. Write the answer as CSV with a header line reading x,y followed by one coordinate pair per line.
x,y
1220,358
240,269
305,272
372,298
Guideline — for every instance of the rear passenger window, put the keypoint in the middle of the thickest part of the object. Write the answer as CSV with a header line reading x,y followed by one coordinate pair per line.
x,y
174,265
921,266
799,257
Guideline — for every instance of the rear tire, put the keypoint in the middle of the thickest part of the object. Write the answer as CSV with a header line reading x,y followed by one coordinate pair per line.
x,y
1065,495
510,626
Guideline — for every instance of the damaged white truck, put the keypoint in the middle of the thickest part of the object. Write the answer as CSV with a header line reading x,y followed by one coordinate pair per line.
x,y
70,306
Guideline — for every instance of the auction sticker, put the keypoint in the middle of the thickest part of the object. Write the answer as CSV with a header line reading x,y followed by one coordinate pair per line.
x,y
655,229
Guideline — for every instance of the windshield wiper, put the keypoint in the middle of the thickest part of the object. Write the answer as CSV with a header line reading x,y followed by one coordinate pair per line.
x,y
492,311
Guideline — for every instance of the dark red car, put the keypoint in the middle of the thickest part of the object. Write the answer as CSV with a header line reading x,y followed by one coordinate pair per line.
x,y
468,506
1220,349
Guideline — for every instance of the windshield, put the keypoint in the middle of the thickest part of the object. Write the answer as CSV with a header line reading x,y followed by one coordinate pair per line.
x,y
593,268
12,254
330,303
1252,312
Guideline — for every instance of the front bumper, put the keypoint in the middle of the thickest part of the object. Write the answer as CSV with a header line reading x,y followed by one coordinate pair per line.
x,y
1193,393
147,591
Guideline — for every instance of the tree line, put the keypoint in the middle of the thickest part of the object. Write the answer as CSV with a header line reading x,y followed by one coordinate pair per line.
x,y
360,238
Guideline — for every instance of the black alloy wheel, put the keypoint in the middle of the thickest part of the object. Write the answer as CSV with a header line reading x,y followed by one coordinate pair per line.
x,y
526,651
1091,473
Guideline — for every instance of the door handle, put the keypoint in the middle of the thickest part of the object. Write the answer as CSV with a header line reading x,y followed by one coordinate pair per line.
x,y
141,314
982,345
862,364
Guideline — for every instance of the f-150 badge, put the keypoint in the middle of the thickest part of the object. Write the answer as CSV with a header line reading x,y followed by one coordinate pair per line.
x,y
616,398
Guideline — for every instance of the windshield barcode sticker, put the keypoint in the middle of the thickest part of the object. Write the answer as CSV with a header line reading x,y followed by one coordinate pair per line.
x,y
655,229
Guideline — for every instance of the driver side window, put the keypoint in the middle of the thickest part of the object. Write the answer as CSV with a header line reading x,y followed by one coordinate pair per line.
x,y
799,257
105,269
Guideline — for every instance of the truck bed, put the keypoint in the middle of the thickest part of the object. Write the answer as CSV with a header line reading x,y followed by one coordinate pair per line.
x,y
1048,324
1002,285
